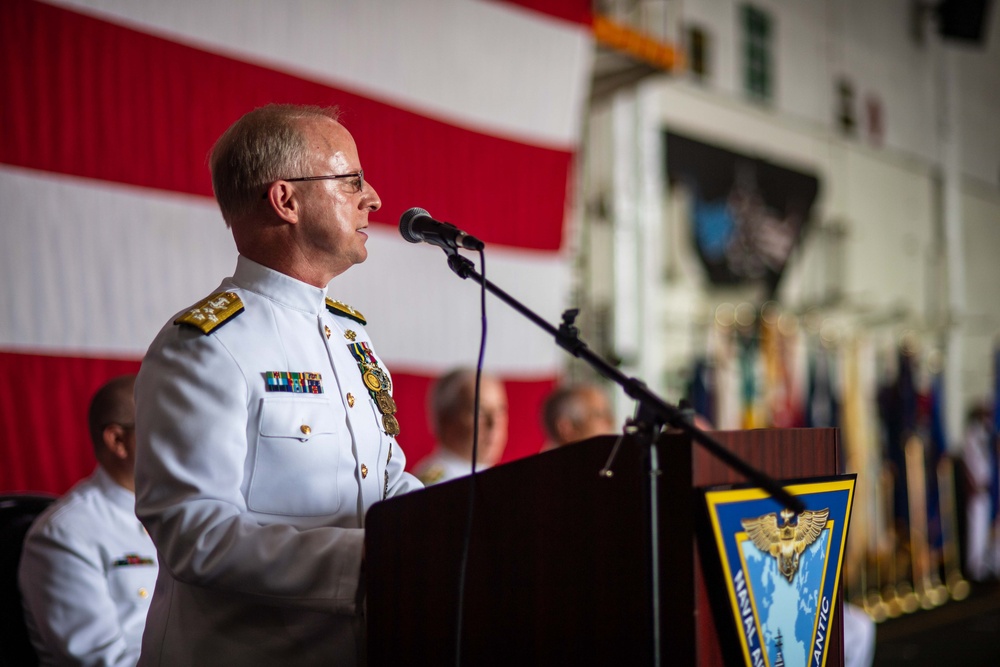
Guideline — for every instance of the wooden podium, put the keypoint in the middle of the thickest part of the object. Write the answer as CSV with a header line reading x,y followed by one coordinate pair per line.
x,y
559,568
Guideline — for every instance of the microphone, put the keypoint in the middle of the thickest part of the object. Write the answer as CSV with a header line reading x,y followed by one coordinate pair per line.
x,y
416,225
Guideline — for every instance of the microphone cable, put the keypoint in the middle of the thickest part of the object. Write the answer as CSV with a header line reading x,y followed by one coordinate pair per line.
x,y
470,510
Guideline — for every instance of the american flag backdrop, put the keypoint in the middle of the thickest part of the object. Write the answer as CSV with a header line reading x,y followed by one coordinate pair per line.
x,y
108,108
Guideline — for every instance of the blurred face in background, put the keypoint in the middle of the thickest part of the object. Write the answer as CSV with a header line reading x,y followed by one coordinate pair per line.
x,y
591,417
457,430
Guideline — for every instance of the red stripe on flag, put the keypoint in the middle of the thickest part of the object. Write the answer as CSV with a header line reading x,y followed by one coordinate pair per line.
x,y
574,11
90,98
43,407
45,446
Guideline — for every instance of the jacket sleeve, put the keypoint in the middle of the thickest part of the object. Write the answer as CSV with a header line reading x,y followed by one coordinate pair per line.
x,y
400,481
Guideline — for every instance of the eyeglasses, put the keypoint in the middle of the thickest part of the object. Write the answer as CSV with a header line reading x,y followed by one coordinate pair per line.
x,y
357,185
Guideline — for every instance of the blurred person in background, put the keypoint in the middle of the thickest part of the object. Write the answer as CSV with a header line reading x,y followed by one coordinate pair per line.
x,y
859,637
88,567
576,412
980,460
450,410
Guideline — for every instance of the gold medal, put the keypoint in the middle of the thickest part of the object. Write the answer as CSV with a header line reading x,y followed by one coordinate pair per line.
x,y
386,405
390,425
372,381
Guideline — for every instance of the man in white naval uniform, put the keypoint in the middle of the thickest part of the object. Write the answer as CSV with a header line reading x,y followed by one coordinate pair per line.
x,y
88,567
265,420
451,411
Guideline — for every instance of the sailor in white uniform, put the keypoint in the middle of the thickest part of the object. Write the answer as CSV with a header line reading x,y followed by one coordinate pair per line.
x,y
265,418
451,413
88,567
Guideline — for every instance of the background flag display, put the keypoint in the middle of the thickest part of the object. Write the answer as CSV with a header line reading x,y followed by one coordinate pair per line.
x,y
468,108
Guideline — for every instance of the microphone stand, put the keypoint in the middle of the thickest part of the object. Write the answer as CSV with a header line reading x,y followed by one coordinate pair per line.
x,y
652,414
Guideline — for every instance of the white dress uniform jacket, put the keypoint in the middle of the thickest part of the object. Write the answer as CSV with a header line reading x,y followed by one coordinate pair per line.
x,y
87,573
255,498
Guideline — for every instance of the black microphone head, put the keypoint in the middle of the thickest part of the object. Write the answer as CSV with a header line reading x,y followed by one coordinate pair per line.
x,y
406,224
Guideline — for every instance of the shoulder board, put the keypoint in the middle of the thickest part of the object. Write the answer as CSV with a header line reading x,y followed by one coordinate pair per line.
x,y
342,309
432,475
211,313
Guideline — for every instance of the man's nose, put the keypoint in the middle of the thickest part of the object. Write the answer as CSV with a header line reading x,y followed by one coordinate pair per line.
x,y
371,199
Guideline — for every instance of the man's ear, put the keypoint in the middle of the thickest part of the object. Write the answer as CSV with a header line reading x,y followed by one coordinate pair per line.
x,y
566,430
114,441
283,199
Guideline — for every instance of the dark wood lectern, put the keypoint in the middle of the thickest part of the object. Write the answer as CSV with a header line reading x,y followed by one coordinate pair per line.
x,y
559,568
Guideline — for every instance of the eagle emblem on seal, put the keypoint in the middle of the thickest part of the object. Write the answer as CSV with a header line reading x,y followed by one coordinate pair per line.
x,y
787,541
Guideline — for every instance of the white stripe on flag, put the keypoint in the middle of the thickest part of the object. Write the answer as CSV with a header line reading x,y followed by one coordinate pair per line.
x,y
100,267
107,265
486,66
425,319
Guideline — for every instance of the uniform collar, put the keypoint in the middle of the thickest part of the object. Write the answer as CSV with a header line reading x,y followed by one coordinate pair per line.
x,y
115,492
279,287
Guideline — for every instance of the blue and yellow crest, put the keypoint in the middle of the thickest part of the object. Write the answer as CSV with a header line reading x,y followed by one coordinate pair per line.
x,y
781,571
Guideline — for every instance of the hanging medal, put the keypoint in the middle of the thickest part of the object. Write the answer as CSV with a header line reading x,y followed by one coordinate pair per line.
x,y
378,385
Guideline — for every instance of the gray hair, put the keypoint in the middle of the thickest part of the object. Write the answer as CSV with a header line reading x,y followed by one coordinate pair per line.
x,y
263,146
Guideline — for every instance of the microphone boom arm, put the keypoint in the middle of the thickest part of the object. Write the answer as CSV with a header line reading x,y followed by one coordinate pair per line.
x,y
567,337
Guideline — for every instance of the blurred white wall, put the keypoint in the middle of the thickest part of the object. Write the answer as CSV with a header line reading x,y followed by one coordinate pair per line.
x,y
874,260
